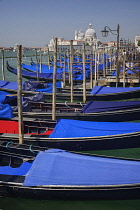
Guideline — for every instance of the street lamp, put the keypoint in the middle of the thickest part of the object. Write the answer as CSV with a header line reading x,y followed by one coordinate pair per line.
x,y
123,42
114,32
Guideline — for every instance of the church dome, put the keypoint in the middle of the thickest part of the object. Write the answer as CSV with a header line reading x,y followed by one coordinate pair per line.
x,y
90,32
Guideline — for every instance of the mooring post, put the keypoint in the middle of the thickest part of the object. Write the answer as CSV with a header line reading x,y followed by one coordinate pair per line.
x,y
40,61
3,75
84,74
48,58
104,74
91,66
20,118
124,60
95,71
68,56
64,70
54,81
71,69
36,65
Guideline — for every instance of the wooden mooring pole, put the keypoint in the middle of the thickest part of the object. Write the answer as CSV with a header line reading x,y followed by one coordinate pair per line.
x,y
71,69
48,58
91,66
54,81
19,98
64,70
40,61
37,73
124,60
84,74
3,75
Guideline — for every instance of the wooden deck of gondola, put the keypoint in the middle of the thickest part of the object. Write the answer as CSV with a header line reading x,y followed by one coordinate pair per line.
x,y
107,116
109,142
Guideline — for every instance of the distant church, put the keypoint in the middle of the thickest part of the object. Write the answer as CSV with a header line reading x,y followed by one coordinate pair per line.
x,y
89,38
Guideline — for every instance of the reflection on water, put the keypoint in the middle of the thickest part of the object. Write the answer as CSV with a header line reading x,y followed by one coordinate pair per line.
x,y
29,204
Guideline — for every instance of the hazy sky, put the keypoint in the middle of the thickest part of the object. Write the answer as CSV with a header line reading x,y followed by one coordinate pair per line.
x,y
32,23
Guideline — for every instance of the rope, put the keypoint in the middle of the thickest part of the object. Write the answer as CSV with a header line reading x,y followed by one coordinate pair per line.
x,y
66,103
10,142
81,104
31,149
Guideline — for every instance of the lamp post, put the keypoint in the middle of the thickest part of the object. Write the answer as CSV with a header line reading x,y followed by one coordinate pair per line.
x,y
123,43
114,32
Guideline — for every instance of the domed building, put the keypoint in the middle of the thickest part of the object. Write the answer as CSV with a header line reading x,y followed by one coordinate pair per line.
x,y
89,38
90,34
79,35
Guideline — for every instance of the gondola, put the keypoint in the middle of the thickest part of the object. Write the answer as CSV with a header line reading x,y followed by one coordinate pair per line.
x,y
45,88
117,111
59,174
48,77
24,150
75,135
31,87
115,93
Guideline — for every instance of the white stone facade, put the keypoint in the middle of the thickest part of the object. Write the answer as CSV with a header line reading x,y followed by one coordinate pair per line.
x,y
137,39
89,38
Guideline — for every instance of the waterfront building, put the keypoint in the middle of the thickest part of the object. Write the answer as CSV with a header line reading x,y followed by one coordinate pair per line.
x,y
137,42
89,38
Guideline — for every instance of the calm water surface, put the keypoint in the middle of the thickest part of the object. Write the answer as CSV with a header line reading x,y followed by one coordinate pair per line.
x,y
28,204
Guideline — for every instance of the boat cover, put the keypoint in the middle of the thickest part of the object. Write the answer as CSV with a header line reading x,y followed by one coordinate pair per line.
x,y
9,85
40,87
105,90
22,170
66,128
45,68
29,86
77,75
39,97
102,106
39,75
3,96
49,88
5,111
58,167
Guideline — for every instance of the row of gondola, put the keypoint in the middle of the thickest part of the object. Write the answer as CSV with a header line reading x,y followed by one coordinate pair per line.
x,y
45,166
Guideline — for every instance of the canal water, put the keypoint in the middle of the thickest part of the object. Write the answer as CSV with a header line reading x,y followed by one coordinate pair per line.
x,y
8,203
29,204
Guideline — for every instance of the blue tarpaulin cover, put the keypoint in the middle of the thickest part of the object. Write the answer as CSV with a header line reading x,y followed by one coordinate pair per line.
x,y
9,85
29,86
6,111
58,167
40,75
3,96
66,128
22,170
102,106
105,90
49,88
45,68
48,72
